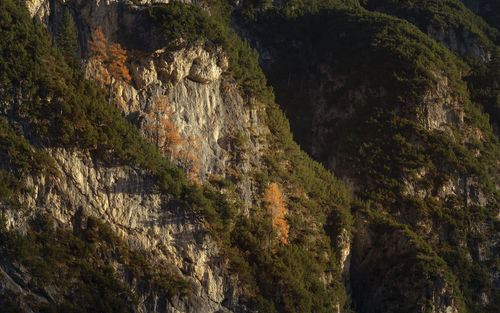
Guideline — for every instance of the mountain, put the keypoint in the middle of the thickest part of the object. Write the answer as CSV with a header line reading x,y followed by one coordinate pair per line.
x,y
249,156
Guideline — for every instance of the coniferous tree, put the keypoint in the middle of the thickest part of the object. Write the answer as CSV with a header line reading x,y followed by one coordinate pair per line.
x,y
494,71
111,56
67,38
98,47
495,65
116,62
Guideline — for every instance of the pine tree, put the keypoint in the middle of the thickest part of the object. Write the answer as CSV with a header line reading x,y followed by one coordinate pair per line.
x,y
67,38
276,205
495,65
433,5
494,73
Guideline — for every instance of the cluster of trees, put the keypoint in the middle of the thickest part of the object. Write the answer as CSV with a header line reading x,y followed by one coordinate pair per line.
x,y
296,266
110,60
67,38
484,84
165,134
73,112
59,107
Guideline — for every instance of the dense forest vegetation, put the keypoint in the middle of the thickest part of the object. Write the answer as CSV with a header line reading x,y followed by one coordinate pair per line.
x,y
384,141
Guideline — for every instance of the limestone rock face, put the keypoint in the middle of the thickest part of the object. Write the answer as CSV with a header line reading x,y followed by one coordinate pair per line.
x,y
204,71
39,9
207,106
437,110
178,61
155,225
441,110
187,73
461,41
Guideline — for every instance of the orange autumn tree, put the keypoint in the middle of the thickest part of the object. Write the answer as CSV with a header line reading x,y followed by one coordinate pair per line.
x,y
165,134
162,130
276,205
190,160
110,59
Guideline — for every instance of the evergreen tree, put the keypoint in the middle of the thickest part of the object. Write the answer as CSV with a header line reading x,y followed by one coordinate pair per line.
x,y
494,74
495,65
67,38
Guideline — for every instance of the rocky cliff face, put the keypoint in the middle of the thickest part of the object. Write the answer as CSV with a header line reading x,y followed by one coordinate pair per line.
x,y
206,102
161,229
390,253
461,41
207,106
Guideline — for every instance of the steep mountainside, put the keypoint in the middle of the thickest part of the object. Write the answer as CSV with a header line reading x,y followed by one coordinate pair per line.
x,y
388,110
146,167
489,10
448,22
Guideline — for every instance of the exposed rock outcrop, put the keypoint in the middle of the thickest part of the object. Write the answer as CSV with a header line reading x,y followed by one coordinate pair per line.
x,y
378,263
461,41
206,103
159,227
382,255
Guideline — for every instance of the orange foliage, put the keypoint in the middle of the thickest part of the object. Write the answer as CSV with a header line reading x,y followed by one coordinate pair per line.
x,y
276,204
162,130
116,60
111,59
190,159
165,134
99,46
